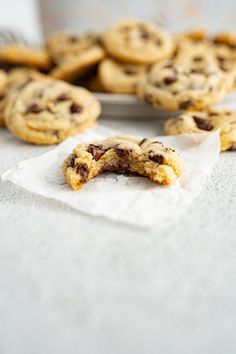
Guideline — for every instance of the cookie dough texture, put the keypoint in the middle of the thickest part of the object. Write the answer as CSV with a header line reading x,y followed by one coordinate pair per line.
x,y
118,77
179,85
122,154
25,56
206,121
47,112
75,66
138,42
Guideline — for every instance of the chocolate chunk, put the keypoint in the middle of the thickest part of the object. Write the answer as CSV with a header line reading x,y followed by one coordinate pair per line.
x,y
73,39
71,160
202,123
145,35
96,151
148,98
76,108
169,80
129,71
122,152
156,158
142,141
2,96
56,133
220,58
34,108
116,166
168,66
83,171
197,58
186,104
62,97
158,42
197,71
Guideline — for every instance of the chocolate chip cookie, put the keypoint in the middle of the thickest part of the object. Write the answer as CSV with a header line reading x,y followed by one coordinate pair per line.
x,y
178,85
206,121
118,77
25,56
138,42
74,66
122,154
62,45
15,81
47,112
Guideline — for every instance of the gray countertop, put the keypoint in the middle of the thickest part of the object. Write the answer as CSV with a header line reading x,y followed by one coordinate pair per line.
x,y
79,284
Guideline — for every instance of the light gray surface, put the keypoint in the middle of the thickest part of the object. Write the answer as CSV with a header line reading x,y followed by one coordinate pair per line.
x,y
70,283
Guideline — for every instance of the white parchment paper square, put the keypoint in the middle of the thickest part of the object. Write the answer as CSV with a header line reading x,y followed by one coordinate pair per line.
x,y
130,199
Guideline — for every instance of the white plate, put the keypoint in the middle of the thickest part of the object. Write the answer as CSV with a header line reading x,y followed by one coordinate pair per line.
x,y
128,106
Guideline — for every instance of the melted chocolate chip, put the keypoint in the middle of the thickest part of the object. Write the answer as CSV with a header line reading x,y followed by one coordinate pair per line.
x,y
116,166
76,108
62,97
142,141
156,158
34,108
71,160
186,104
83,171
169,80
202,123
96,151
2,96
122,152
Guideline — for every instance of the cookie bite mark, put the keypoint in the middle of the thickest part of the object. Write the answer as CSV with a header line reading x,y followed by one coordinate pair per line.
x,y
122,154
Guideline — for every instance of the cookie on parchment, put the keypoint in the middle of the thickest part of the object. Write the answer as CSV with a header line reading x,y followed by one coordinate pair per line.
x,y
122,154
74,66
178,85
206,121
138,42
47,112
119,77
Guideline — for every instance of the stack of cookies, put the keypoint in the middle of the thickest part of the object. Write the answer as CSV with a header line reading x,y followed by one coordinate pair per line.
x,y
46,98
